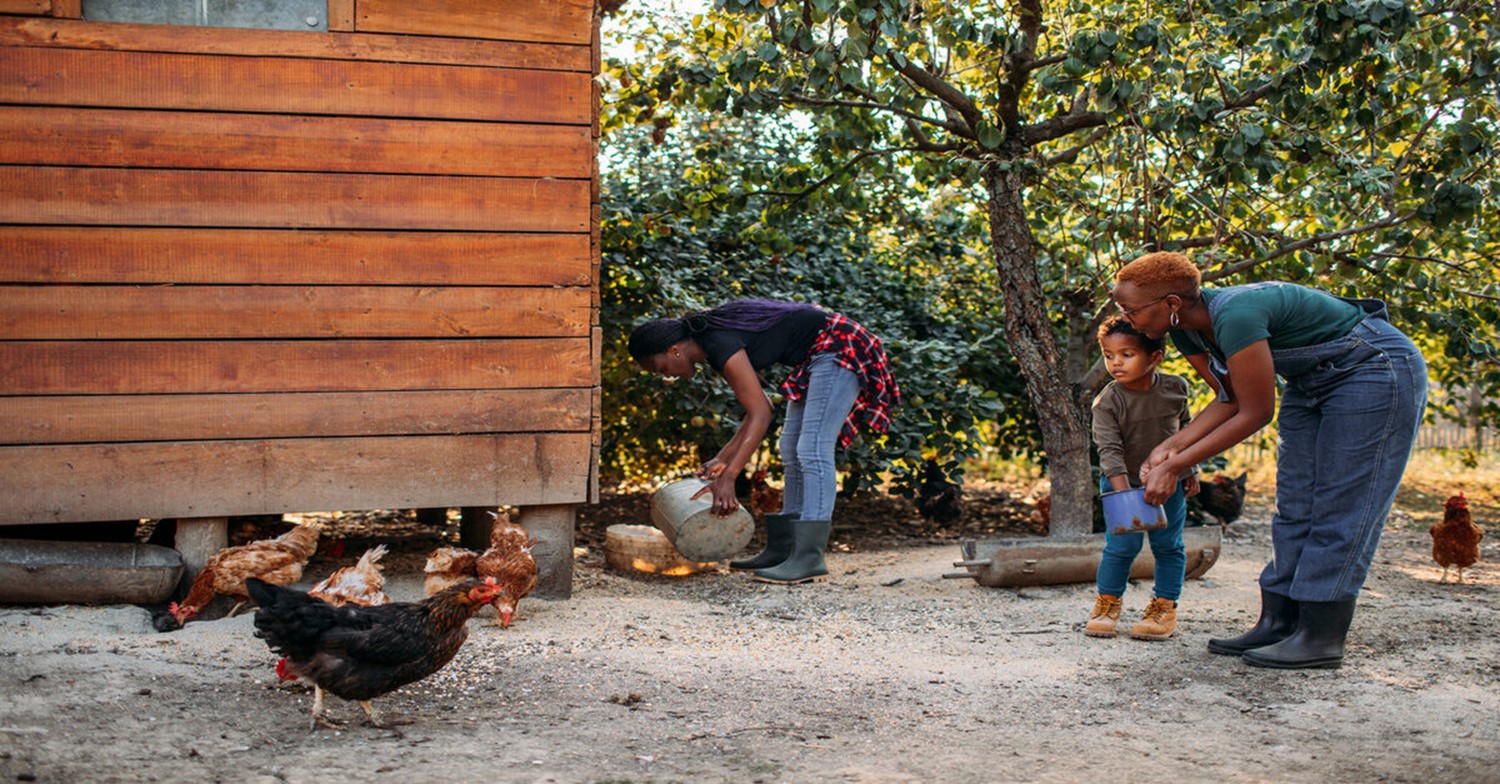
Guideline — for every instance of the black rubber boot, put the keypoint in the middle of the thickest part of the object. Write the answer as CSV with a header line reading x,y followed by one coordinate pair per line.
x,y
805,564
778,545
1278,620
1317,643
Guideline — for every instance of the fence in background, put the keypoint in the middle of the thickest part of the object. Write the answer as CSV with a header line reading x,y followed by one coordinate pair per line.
x,y
1433,435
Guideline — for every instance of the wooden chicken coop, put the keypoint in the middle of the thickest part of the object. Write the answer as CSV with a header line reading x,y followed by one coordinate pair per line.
x,y
292,256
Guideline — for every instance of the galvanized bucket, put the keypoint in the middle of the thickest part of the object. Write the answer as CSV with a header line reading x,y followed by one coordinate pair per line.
x,y
696,533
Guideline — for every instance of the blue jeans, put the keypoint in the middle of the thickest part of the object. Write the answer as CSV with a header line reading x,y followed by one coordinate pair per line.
x,y
1349,416
809,436
1120,551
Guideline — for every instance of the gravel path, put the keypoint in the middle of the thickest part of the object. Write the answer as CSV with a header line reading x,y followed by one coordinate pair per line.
x,y
888,673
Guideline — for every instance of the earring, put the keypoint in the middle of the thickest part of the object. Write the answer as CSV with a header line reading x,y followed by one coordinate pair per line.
x,y
1172,318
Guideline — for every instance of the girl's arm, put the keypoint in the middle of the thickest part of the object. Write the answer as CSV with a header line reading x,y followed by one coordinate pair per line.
x,y
727,465
1218,426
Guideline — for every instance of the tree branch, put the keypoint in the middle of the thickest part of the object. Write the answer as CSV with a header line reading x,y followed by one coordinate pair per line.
x,y
1018,69
1304,243
1043,62
809,100
944,92
833,175
1071,154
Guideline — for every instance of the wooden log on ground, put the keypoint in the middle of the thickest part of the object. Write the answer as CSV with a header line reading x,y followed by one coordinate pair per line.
x,y
1041,561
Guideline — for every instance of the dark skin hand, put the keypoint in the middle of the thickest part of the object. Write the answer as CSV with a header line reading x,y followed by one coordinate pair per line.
x,y
1218,426
724,467
679,361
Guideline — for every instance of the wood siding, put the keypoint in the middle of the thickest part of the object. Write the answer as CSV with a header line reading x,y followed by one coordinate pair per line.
x,y
255,271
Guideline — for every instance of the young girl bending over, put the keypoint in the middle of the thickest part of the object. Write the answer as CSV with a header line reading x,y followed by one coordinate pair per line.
x,y
840,380
1136,411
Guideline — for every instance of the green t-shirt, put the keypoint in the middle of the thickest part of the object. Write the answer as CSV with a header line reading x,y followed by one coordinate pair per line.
x,y
1285,315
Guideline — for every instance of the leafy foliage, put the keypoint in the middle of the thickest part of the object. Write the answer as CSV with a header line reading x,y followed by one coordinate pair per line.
x,y
667,250
1348,145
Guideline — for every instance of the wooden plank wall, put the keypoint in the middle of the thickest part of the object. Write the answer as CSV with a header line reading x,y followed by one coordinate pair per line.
x,y
255,271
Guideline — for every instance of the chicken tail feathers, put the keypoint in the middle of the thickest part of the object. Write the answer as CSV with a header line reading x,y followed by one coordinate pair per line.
x,y
291,622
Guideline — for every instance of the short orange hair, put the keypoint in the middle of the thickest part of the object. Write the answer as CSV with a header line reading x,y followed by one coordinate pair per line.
x,y
1163,273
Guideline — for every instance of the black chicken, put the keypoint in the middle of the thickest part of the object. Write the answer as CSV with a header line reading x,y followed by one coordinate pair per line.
x,y
938,500
360,653
1224,498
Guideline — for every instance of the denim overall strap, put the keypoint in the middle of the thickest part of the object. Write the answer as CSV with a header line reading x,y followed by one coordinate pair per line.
x,y
1350,409
1217,366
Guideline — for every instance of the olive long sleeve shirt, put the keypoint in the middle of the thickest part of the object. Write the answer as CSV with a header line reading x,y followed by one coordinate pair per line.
x,y
1129,423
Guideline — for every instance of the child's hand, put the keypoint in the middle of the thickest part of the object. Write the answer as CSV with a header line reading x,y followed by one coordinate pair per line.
x,y
1190,486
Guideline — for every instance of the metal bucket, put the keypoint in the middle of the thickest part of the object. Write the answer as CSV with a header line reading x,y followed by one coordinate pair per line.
x,y
691,528
1126,512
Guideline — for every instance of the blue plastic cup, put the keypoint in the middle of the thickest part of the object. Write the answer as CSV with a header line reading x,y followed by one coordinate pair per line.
x,y
1126,512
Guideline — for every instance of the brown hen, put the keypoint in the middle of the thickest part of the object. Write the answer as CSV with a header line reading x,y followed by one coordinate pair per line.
x,y
510,563
360,584
1455,540
447,566
277,561
764,499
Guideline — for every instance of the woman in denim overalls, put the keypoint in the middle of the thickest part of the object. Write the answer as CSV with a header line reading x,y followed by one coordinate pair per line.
x,y
1354,395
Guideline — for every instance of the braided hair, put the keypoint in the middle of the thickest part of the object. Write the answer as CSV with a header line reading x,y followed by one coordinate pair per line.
x,y
748,315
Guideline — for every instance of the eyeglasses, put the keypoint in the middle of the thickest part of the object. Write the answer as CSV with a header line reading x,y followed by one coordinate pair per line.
x,y
1138,308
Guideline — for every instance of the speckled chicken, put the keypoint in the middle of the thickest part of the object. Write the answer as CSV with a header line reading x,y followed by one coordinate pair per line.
x,y
510,563
360,584
277,561
1455,540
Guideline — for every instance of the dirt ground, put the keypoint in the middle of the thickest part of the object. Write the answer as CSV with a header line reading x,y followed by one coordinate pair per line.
x,y
888,673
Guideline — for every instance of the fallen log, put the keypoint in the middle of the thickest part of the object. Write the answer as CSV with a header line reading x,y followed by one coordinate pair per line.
x,y
1043,561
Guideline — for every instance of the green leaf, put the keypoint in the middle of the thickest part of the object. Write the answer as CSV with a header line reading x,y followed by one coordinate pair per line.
x,y
990,136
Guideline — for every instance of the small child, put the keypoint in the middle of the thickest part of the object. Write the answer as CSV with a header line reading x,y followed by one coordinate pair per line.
x,y
1132,414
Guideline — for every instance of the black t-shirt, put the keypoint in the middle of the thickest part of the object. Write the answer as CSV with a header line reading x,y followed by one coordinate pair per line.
x,y
787,341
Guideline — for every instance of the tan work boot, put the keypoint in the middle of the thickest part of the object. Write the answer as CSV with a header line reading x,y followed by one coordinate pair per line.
x,y
1158,622
1105,616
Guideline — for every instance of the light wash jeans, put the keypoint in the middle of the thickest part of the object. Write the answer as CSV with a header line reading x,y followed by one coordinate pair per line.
x,y
1349,416
809,436
1167,548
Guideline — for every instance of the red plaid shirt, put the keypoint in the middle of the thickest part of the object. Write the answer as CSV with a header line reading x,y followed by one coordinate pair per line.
x,y
855,348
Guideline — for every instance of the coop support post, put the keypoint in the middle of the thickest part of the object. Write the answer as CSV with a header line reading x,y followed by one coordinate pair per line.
x,y
196,539
553,528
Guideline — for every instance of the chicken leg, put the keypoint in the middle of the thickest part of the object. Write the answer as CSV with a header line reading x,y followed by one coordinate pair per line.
x,y
320,712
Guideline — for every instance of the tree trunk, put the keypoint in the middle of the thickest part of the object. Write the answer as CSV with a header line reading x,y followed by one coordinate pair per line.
x,y
1065,432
